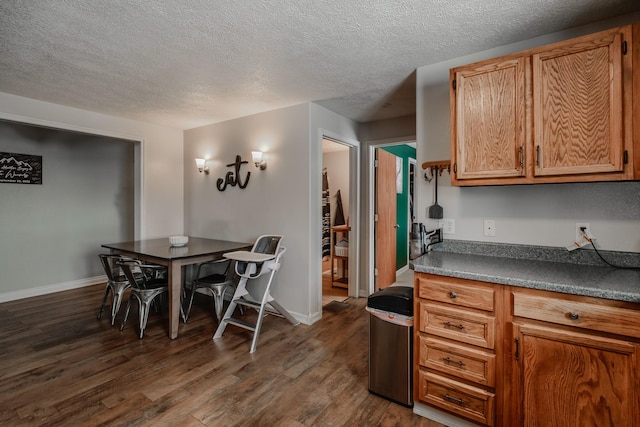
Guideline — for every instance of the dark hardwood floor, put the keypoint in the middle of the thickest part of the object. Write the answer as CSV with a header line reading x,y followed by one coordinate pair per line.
x,y
329,292
60,366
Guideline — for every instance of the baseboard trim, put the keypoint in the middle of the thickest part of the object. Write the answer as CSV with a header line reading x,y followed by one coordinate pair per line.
x,y
50,289
441,417
402,270
304,319
75,284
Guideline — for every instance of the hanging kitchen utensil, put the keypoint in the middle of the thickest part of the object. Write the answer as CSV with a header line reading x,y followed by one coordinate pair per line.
x,y
435,210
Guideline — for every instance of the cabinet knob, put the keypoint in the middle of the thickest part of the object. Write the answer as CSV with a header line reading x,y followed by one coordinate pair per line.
x,y
453,295
574,316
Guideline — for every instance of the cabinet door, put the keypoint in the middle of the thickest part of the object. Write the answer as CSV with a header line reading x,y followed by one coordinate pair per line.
x,y
573,379
578,106
488,128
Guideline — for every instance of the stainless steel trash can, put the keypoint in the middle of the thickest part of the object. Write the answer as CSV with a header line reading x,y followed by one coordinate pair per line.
x,y
391,344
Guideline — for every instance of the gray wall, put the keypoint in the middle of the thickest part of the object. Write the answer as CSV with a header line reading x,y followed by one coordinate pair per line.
x,y
51,233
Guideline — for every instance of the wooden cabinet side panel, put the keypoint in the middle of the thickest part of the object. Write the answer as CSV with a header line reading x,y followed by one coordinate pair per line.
x,y
633,103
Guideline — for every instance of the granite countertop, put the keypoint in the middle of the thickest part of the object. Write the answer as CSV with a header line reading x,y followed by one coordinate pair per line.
x,y
587,279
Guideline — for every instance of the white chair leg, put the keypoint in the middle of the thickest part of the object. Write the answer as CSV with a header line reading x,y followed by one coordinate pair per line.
x,y
256,333
223,323
284,312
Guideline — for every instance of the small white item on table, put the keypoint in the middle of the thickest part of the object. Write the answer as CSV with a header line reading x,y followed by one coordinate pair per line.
x,y
178,241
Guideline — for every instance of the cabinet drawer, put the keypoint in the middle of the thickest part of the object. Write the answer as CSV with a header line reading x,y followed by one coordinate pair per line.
x,y
615,320
457,324
467,401
458,360
460,292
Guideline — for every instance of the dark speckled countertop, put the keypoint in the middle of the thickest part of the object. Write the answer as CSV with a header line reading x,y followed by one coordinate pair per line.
x,y
537,268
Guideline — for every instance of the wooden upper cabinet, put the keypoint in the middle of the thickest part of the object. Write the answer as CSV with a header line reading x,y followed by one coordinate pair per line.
x,y
557,113
488,116
578,106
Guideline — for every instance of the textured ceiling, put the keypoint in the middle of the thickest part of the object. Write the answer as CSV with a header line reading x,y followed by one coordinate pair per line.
x,y
186,63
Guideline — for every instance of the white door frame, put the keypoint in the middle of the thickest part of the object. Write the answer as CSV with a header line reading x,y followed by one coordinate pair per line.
x,y
354,210
371,258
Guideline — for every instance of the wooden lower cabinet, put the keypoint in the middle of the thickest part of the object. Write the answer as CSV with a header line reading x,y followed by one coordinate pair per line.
x,y
457,349
527,357
574,361
565,378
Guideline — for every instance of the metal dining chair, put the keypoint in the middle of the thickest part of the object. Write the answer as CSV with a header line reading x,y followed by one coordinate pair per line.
x,y
117,283
214,276
145,289
264,259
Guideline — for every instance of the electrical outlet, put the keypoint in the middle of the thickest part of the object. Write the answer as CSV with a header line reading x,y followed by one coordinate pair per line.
x,y
489,227
579,226
448,225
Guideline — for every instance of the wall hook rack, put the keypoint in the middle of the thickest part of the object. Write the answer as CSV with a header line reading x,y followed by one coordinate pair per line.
x,y
434,167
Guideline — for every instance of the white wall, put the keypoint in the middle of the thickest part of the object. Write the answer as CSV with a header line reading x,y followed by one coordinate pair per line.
x,y
278,200
399,127
327,123
159,207
525,214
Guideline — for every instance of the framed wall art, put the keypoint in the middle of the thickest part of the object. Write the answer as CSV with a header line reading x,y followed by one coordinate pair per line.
x,y
20,168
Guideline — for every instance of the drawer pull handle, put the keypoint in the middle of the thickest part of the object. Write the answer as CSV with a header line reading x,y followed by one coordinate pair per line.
x,y
450,325
453,295
452,399
574,316
450,360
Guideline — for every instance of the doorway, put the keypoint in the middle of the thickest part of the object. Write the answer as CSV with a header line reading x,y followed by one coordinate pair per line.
x,y
76,162
389,247
336,187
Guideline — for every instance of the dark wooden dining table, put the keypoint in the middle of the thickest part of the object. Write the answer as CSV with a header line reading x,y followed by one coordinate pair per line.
x,y
160,252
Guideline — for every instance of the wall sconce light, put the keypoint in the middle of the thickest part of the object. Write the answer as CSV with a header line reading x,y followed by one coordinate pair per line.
x,y
257,160
200,163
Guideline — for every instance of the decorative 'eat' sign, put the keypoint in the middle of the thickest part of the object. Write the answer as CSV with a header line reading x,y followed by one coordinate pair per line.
x,y
233,177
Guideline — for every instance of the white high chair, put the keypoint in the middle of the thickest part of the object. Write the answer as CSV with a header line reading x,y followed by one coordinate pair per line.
x,y
264,258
